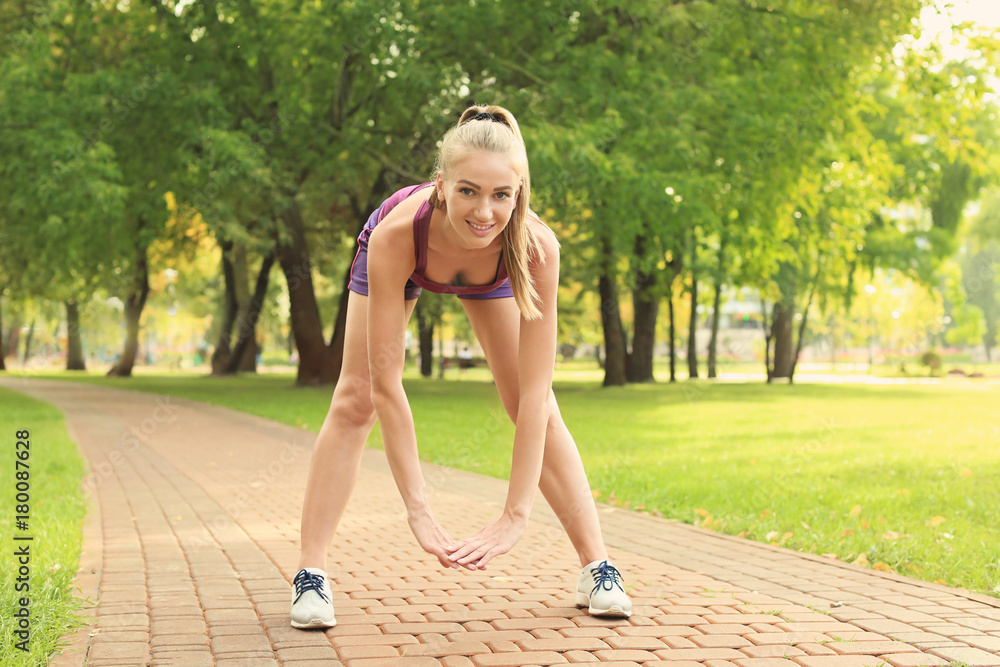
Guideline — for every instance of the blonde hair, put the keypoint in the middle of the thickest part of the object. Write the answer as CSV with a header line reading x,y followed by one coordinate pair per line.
x,y
520,245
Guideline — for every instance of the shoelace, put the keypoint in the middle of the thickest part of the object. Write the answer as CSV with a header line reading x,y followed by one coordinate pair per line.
x,y
606,576
307,581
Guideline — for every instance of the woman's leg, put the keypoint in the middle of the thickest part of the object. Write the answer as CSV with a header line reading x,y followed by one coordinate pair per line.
x,y
336,457
563,481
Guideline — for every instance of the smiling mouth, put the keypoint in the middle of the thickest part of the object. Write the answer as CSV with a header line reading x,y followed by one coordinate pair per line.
x,y
478,227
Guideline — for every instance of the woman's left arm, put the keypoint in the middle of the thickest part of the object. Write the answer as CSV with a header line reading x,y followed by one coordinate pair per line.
x,y
535,363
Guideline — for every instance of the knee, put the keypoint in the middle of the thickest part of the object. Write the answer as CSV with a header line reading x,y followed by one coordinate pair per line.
x,y
352,402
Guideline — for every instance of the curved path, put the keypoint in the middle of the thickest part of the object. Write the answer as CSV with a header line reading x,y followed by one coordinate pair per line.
x,y
191,543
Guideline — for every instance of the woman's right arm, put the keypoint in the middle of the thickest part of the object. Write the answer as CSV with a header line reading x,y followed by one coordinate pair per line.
x,y
388,269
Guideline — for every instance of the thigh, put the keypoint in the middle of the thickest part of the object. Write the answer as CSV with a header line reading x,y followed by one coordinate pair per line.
x,y
496,323
354,373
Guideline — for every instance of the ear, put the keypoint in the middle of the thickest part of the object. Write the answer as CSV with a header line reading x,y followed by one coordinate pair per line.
x,y
439,185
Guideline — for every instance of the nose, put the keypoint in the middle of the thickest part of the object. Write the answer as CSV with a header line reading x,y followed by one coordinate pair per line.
x,y
483,211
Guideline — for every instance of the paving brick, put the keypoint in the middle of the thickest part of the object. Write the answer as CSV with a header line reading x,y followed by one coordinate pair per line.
x,y
985,642
201,659
119,651
563,644
766,662
238,643
393,662
720,641
787,638
866,648
772,651
179,626
385,640
443,649
488,635
723,629
179,640
457,661
973,657
580,656
307,653
818,626
699,654
636,643
625,655
533,623
913,660
364,652
518,659
816,649
839,661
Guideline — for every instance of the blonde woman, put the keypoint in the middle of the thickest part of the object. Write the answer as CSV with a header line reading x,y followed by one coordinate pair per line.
x,y
472,233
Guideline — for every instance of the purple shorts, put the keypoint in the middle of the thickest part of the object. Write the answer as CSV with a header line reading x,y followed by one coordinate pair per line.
x,y
359,270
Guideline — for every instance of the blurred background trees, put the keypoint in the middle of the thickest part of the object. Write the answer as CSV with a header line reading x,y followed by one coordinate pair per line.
x,y
729,179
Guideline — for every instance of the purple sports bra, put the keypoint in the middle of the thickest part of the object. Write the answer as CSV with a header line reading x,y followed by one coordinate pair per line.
x,y
421,232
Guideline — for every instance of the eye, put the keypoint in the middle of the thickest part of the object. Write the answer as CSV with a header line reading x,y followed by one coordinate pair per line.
x,y
503,195
465,191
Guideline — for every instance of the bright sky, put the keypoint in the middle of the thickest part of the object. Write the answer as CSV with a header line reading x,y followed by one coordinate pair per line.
x,y
937,19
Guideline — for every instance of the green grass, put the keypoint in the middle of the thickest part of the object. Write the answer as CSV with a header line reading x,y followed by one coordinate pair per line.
x,y
57,508
906,475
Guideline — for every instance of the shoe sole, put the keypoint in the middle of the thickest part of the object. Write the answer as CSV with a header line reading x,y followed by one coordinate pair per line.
x,y
583,600
314,623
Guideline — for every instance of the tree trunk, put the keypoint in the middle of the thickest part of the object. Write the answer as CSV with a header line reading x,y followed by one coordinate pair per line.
x,y
673,335
782,329
615,359
425,331
340,327
802,324
245,359
646,305
135,301
3,340
13,340
27,342
74,344
293,255
246,345
713,341
768,336
692,351
223,348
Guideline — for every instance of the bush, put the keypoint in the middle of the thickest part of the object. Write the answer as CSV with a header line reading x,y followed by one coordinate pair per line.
x,y
932,360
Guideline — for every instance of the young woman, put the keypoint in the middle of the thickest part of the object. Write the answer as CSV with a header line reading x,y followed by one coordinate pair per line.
x,y
471,233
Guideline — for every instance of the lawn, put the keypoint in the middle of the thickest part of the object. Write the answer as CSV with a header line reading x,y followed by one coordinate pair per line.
x,y
56,511
903,477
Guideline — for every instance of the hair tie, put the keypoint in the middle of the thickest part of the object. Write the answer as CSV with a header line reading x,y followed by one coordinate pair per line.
x,y
482,115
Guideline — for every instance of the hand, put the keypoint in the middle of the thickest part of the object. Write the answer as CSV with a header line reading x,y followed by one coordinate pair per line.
x,y
431,537
497,538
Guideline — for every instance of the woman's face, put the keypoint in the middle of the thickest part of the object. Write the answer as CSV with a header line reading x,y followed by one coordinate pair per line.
x,y
480,191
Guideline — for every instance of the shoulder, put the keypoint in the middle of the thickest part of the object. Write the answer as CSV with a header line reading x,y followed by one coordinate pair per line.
x,y
543,236
392,242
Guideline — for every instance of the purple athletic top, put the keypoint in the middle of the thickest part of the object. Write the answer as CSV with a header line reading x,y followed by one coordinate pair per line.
x,y
421,232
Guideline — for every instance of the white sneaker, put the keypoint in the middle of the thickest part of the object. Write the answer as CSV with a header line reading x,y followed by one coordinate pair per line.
x,y
312,601
600,590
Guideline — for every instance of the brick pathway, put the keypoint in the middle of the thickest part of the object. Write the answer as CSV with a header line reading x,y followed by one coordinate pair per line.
x,y
192,541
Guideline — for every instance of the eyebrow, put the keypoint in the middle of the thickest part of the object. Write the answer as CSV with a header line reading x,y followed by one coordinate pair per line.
x,y
504,187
